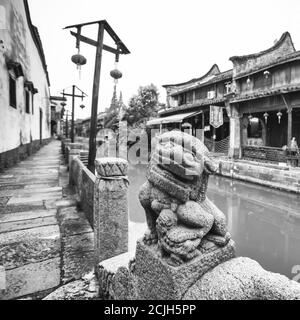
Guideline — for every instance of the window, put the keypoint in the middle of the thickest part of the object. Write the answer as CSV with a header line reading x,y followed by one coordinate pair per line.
x,y
32,103
262,81
174,100
228,86
254,128
190,97
27,101
12,91
211,94
182,99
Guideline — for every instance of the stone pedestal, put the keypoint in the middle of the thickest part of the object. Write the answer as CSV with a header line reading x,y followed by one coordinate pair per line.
x,y
110,208
157,280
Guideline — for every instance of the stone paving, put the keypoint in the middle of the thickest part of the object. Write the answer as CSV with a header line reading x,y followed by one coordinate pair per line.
x,y
45,241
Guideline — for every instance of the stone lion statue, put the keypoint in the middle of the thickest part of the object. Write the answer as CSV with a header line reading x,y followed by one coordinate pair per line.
x,y
180,218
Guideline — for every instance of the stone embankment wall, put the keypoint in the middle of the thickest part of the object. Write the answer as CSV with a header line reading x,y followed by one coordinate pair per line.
x,y
274,176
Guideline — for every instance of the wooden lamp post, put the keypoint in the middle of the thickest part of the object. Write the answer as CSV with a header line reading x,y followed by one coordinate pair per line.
x,y
121,49
74,95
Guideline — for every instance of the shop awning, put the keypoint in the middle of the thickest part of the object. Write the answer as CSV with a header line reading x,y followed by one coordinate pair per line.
x,y
176,118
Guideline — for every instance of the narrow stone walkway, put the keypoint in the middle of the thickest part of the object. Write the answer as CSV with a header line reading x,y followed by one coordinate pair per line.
x,y
44,240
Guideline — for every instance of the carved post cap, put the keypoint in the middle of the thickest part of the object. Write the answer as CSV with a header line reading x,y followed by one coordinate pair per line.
x,y
74,152
111,167
84,153
75,146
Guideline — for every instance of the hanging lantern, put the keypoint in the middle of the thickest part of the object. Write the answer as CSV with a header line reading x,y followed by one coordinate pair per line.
x,y
279,115
248,82
266,115
78,58
267,74
82,106
80,61
116,74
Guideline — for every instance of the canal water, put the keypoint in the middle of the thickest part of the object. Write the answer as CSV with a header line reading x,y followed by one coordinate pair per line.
x,y
264,223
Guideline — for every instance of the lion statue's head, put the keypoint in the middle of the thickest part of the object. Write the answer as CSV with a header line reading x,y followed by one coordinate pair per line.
x,y
184,159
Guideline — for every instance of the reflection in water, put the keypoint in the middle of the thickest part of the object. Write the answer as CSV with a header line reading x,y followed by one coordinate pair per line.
x,y
264,223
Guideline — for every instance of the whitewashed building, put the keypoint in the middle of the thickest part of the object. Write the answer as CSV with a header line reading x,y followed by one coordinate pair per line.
x,y
25,114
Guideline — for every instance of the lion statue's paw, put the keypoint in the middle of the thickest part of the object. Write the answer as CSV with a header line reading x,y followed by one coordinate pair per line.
x,y
150,238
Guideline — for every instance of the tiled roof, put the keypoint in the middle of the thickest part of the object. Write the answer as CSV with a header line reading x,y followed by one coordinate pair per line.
x,y
281,60
214,79
262,94
100,116
185,107
212,71
281,52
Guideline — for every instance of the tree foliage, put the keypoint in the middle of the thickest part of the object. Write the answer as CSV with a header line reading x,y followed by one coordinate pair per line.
x,y
142,106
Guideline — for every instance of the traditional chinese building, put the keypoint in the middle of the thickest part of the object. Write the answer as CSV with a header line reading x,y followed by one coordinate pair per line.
x,y
259,99
83,125
189,104
266,101
57,113
25,115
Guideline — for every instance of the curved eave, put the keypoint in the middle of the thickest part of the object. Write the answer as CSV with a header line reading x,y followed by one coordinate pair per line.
x,y
286,36
209,73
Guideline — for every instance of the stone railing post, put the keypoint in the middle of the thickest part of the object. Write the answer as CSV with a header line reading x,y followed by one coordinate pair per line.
x,y
110,208
75,149
65,143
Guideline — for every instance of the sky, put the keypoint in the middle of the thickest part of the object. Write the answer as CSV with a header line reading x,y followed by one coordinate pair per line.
x,y
170,41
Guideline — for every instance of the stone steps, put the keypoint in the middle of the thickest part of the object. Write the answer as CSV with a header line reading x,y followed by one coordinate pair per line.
x,y
31,259
27,192
44,240
30,240
27,220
